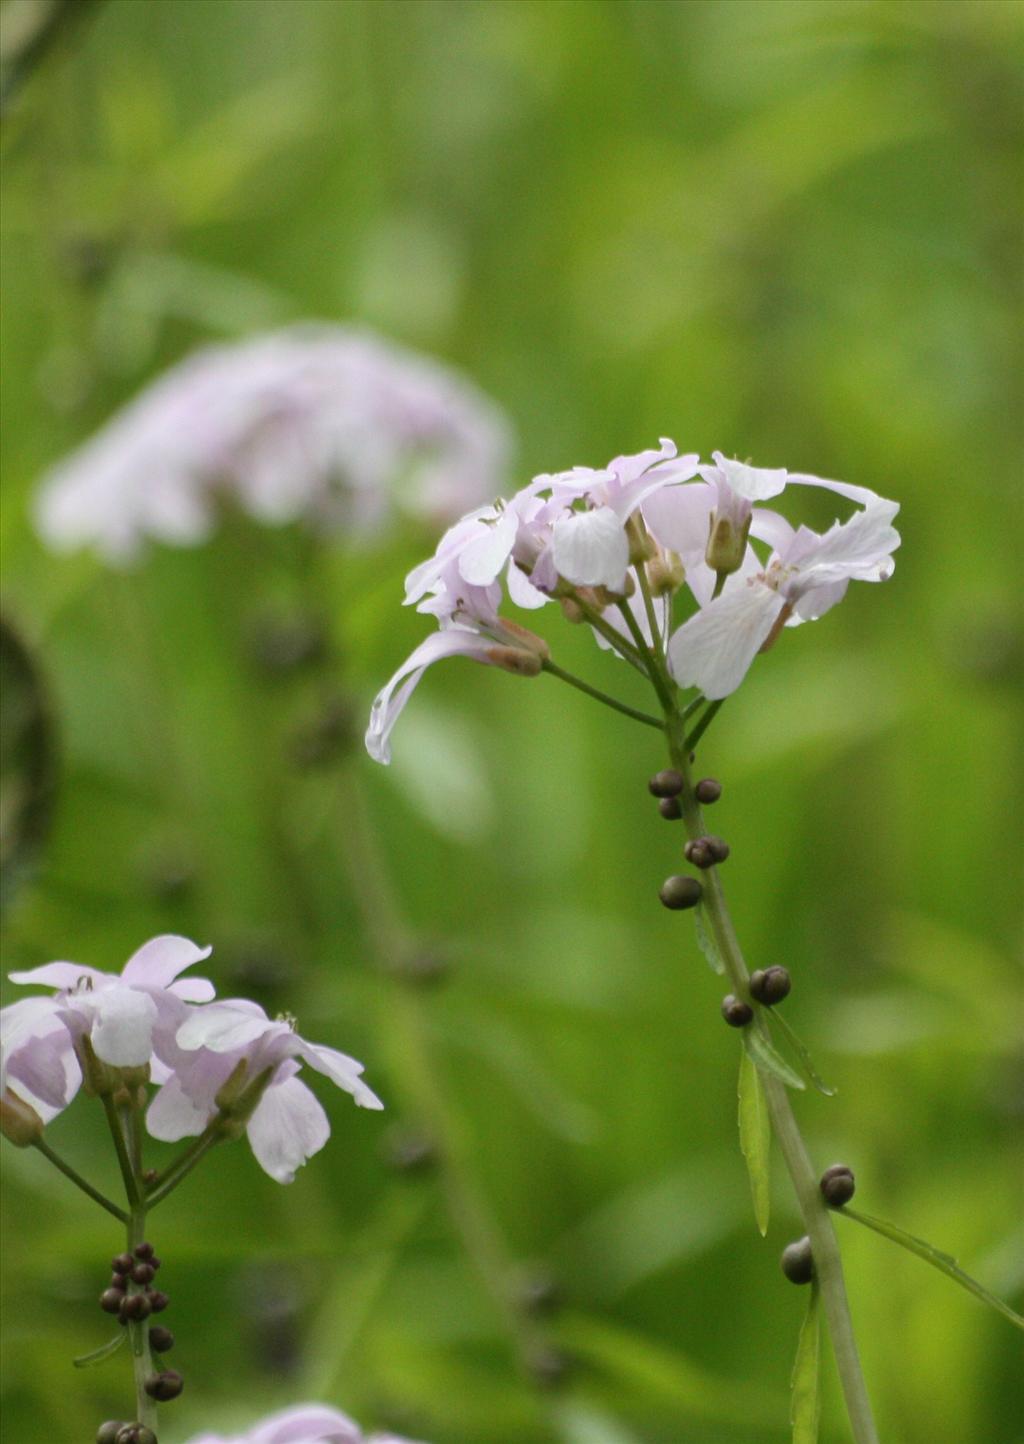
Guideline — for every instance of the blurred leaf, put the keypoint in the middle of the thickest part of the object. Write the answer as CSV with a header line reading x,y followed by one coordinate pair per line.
x,y
584,1424
766,1058
755,1138
441,770
27,760
944,1262
805,1402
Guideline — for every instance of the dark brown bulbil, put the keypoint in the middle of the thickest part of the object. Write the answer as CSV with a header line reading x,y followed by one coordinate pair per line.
x,y
838,1185
668,783
797,1261
680,892
736,1012
770,985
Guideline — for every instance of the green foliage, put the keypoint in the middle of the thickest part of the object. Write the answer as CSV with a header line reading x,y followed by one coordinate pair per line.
x,y
781,229
755,1137
805,1400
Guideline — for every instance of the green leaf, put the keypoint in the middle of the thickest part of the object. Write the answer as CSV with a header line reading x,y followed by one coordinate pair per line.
x,y
944,1262
103,1352
766,1058
805,1398
755,1137
801,1051
706,941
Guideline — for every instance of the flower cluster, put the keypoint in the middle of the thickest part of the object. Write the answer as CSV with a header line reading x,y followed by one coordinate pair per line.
x,y
306,1424
315,422
212,1060
628,536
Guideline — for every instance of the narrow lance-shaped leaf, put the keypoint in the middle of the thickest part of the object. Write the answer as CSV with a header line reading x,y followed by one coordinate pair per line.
x,y
706,941
766,1058
944,1262
799,1048
755,1138
805,1398
103,1352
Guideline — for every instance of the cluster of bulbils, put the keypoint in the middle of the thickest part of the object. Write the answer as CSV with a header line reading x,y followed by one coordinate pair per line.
x,y
837,1185
131,1296
601,540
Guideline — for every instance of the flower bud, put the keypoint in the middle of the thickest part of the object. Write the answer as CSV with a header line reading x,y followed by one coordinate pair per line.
x,y
111,1300
166,1385
727,544
515,660
523,637
641,545
770,985
680,892
837,1185
698,852
670,809
668,783
707,790
571,610
99,1080
160,1339
797,1261
19,1122
665,574
735,1011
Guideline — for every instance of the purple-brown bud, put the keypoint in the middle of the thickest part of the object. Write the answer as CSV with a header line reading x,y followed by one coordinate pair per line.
x,y
166,1385
838,1185
797,1261
680,892
158,1301
143,1273
667,783
111,1300
707,790
20,1124
770,985
160,1339
670,809
736,1012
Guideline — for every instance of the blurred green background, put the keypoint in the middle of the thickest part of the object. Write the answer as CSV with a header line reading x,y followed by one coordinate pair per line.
x,y
786,230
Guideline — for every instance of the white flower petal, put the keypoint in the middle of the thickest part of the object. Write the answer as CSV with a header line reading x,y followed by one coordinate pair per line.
x,y
173,1115
222,1027
158,962
342,1070
861,548
481,560
756,483
122,1031
590,548
714,649
287,1127
306,1424
522,591
62,975
391,699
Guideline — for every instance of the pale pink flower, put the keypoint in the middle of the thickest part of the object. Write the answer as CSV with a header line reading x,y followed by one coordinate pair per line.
x,y
304,1424
316,422
122,1015
805,576
236,1040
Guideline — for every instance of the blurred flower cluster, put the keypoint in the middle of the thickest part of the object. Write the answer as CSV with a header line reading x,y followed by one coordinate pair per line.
x,y
223,1063
633,533
321,423
306,1424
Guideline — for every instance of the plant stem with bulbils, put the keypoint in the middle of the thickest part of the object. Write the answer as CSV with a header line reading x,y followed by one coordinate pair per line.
x,y
824,1245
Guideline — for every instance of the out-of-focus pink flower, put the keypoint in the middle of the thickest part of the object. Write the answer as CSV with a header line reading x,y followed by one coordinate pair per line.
x,y
123,1016
805,576
315,422
236,1041
304,1424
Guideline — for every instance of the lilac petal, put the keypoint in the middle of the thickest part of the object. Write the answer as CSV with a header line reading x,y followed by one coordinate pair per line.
x,y
769,526
482,559
860,494
158,962
522,591
389,702
35,1049
287,1127
817,601
222,1027
306,1424
173,1115
860,547
714,649
122,1033
193,990
677,517
590,548
60,975
342,1070
755,483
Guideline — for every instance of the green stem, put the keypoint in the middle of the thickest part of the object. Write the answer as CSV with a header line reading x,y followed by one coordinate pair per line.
x,y
600,696
138,1333
183,1165
614,638
817,1221
77,1179
702,725
132,1185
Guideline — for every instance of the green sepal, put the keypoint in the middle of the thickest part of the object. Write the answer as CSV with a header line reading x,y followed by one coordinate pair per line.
x,y
755,1138
103,1352
944,1262
800,1049
805,1387
766,1058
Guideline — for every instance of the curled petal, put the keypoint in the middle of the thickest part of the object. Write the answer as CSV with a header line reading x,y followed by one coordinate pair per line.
x,y
755,483
173,1114
342,1070
287,1127
64,976
222,1027
391,699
